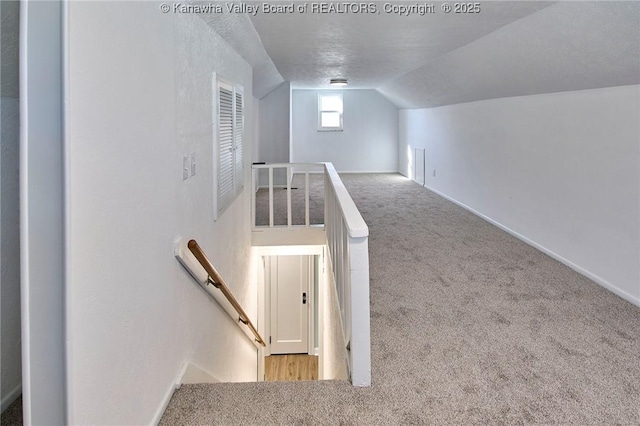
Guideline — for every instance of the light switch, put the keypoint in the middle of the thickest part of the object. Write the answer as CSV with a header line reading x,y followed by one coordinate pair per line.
x,y
193,164
185,167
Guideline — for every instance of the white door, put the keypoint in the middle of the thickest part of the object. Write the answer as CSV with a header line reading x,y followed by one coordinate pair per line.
x,y
290,277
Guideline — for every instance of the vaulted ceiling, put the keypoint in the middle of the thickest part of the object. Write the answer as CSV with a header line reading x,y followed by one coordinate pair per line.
x,y
507,49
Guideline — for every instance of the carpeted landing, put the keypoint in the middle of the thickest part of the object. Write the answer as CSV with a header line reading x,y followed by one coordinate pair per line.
x,y
468,326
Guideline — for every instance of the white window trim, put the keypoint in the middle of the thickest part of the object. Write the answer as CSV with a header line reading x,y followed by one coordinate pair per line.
x,y
320,111
220,206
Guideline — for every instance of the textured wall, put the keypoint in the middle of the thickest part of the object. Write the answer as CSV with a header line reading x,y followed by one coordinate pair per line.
x,y
11,379
141,98
562,170
368,142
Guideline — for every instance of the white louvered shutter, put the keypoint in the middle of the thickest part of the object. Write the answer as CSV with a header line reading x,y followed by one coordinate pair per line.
x,y
239,140
226,189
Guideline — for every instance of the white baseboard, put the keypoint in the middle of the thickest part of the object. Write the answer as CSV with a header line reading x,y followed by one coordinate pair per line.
x,y
274,187
601,281
167,397
193,374
10,397
188,374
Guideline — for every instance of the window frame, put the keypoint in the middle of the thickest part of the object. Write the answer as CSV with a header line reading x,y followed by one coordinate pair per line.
x,y
322,128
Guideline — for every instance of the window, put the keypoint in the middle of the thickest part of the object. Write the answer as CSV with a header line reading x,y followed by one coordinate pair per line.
x,y
330,112
229,170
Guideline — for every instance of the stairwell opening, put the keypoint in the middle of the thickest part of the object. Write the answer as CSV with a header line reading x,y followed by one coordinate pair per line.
x,y
299,316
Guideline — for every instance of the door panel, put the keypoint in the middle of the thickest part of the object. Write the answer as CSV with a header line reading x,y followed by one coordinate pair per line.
x,y
290,277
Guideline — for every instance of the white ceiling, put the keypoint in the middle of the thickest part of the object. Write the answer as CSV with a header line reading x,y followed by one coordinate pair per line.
x,y
368,49
568,46
508,49
238,31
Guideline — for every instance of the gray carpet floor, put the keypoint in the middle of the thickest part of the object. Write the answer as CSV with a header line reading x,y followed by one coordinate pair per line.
x,y
12,416
468,326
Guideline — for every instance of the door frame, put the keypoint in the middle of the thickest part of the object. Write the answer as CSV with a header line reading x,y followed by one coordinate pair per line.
x,y
264,297
307,273
44,260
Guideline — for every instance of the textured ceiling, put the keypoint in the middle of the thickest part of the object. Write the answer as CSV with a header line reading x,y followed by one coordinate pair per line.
x,y
508,49
238,31
568,46
371,49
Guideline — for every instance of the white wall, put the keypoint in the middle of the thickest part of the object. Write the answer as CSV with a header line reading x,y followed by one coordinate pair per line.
x,y
368,142
11,380
275,126
140,96
256,129
332,342
561,169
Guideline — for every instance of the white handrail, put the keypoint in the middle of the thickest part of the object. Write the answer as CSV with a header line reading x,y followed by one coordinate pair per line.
x,y
348,243
353,219
299,167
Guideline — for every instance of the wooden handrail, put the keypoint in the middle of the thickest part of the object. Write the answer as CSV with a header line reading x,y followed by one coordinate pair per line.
x,y
218,282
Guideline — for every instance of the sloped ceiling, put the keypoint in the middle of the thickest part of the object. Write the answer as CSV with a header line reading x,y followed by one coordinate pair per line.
x,y
568,46
371,49
238,31
508,49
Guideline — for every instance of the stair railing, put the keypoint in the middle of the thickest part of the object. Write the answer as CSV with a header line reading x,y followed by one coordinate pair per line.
x,y
217,281
278,169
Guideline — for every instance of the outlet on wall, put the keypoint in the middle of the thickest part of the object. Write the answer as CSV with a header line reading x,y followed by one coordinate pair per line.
x,y
434,172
